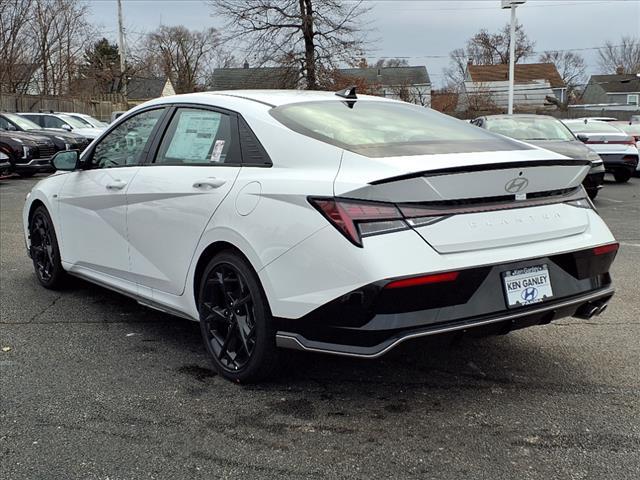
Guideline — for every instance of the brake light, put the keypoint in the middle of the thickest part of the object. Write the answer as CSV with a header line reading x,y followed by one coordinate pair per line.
x,y
603,249
423,280
357,219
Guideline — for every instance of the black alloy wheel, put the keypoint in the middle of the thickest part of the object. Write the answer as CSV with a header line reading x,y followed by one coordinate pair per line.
x,y
235,320
44,250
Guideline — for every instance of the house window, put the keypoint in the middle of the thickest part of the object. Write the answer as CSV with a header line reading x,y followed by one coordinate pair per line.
x,y
633,99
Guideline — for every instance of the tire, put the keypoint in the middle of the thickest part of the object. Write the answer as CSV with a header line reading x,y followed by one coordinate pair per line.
x,y
45,252
622,176
26,174
593,193
235,320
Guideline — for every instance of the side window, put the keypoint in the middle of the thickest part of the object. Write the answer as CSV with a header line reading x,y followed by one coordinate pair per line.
x,y
35,119
125,144
53,122
4,124
197,137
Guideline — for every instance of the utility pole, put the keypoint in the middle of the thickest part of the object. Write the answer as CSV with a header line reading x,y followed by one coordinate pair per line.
x,y
512,4
122,50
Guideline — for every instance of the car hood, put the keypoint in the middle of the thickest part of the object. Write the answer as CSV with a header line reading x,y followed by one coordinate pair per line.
x,y
54,132
27,137
89,132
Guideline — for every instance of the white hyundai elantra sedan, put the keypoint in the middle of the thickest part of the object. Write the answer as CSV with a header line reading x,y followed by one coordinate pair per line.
x,y
317,221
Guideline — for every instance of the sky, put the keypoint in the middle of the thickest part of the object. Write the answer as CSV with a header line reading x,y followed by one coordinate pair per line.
x,y
423,31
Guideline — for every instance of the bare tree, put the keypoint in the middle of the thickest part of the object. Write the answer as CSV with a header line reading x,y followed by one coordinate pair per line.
x,y
60,30
184,54
625,55
312,36
486,48
392,62
17,49
572,68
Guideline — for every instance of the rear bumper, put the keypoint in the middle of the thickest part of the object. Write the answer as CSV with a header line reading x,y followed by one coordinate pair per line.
x,y
371,320
617,162
496,324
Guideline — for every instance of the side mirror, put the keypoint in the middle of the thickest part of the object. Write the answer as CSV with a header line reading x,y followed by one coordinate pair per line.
x,y
66,127
582,137
66,160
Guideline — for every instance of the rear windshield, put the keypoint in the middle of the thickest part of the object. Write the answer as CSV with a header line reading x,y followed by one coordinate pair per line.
x,y
530,128
592,127
385,129
631,129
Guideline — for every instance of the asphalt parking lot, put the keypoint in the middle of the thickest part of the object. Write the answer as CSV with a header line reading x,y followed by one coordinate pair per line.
x,y
94,386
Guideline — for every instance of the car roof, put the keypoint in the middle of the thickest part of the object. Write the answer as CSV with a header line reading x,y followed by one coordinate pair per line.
x,y
271,98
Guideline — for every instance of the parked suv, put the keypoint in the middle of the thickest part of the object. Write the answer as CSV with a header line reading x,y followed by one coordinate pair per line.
x,y
29,154
65,122
551,134
5,163
62,140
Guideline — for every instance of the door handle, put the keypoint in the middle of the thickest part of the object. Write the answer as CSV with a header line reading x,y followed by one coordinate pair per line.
x,y
210,182
116,185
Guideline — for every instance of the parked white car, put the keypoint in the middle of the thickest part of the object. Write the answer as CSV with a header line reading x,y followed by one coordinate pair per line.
x,y
88,120
616,148
324,222
63,122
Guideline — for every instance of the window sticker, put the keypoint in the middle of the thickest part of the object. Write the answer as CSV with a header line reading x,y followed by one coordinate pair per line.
x,y
216,154
194,136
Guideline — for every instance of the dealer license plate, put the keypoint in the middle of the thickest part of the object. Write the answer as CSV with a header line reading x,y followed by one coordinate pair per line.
x,y
524,286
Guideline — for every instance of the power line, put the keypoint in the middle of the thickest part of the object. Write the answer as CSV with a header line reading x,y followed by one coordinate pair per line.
x,y
533,53
530,5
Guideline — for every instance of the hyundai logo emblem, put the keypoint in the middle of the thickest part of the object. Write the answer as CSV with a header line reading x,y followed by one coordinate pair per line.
x,y
529,294
516,185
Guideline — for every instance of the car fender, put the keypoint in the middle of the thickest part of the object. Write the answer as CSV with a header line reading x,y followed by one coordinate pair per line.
x,y
45,191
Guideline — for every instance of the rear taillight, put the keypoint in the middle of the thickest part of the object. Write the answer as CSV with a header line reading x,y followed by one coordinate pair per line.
x,y
608,248
423,280
356,219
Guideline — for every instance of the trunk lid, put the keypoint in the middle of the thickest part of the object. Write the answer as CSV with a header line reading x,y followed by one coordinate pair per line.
x,y
482,196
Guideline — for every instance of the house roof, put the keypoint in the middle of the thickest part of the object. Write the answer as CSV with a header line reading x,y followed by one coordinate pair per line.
x,y
390,75
629,82
524,73
143,88
253,78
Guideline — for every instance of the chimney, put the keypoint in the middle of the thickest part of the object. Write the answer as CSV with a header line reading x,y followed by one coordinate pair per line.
x,y
245,65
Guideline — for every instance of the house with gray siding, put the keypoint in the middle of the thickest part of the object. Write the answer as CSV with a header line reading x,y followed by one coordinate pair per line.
x,y
619,90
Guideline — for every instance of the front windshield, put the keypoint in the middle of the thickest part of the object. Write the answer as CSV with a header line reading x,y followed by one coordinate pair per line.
x,y
74,122
592,127
23,123
84,122
530,128
384,129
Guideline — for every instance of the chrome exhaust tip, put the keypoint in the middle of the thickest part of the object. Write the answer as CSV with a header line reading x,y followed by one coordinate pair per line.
x,y
587,311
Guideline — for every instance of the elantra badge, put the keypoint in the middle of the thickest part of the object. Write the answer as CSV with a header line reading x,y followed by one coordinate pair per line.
x,y
516,185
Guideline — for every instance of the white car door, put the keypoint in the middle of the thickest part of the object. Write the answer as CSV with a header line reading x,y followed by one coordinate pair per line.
x,y
172,199
92,203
